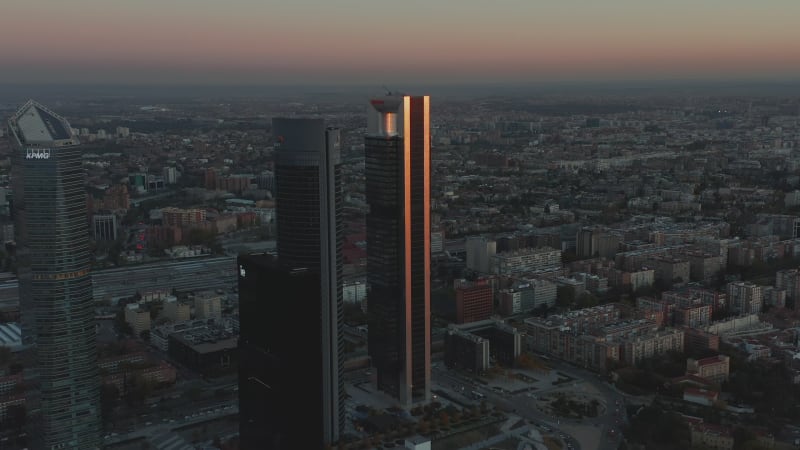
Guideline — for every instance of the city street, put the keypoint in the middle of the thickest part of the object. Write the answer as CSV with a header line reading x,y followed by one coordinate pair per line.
x,y
584,433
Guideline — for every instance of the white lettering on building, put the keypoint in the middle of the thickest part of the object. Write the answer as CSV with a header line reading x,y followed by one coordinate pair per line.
x,y
37,153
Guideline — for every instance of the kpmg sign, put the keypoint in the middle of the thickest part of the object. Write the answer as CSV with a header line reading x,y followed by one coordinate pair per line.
x,y
37,153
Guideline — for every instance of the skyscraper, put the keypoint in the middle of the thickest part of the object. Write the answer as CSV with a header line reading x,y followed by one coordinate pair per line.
x,y
55,283
308,213
398,167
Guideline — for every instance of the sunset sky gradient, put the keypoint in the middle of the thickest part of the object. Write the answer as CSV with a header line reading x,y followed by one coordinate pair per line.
x,y
355,41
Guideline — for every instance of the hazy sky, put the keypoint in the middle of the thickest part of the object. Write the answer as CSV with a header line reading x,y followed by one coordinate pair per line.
x,y
411,41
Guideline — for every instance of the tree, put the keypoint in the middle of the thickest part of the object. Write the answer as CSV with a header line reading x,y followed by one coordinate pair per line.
x,y
593,408
194,393
565,296
586,300
139,389
5,356
15,368
444,419
653,425
16,416
109,396
121,325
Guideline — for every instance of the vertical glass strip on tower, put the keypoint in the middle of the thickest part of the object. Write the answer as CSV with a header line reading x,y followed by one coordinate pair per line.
x,y
55,283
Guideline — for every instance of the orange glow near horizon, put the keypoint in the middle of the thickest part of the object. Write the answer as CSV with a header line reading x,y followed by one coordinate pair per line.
x,y
252,40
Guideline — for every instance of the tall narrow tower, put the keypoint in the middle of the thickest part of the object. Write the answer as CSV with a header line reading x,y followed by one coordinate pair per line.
x,y
398,167
55,283
308,209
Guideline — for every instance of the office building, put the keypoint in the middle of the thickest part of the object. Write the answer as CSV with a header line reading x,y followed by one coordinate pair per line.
x,y
138,318
744,297
55,284
466,351
210,349
480,252
183,217
104,227
714,368
281,375
176,311
789,281
207,305
437,241
308,194
398,168
474,302
526,260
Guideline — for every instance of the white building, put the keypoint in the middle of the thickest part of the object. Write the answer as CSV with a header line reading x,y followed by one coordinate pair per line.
x,y
104,227
354,292
175,310
417,443
123,132
137,318
207,306
170,175
437,241
744,297
480,252
527,260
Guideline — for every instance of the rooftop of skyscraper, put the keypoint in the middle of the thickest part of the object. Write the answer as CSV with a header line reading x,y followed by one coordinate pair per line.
x,y
35,124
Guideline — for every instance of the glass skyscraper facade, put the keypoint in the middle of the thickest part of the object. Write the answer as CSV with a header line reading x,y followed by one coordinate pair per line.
x,y
398,162
308,194
55,284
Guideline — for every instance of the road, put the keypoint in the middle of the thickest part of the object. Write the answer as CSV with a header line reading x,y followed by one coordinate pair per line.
x,y
464,388
178,403
158,423
524,405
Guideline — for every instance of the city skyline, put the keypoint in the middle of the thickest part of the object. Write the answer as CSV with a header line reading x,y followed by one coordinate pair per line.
x,y
510,41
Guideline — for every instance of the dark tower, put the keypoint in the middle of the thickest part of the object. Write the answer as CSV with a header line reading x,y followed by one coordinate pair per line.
x,y
55,284
398,161
308,199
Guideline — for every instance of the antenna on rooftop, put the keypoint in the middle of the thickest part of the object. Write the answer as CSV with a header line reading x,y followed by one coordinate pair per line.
x,y
388,92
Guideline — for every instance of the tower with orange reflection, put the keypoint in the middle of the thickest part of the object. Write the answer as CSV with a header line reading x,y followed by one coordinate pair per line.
x,y
398,168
